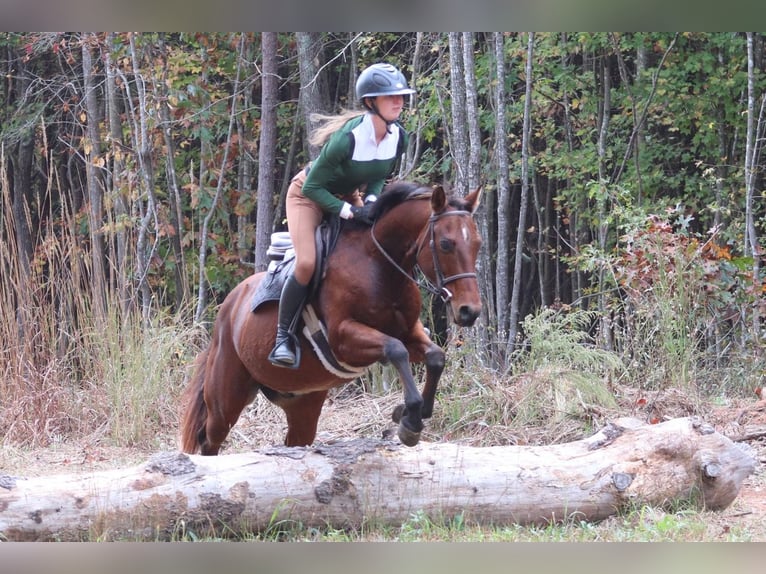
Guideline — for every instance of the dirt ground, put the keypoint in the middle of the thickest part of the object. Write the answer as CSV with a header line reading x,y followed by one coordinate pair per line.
x,y
744,423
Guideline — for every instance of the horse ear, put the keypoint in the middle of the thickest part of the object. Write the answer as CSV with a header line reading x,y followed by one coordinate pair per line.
x,y
438,199
473,199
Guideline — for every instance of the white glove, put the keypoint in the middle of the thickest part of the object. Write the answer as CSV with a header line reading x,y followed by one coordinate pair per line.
x,y
345,211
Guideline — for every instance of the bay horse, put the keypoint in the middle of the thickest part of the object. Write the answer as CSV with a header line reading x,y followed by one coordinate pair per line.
x,y
370,303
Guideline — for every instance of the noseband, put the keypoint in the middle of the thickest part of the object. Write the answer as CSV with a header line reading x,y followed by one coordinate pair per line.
x,y
440,288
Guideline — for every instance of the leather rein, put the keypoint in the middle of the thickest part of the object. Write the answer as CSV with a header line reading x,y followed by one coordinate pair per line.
x,y
440,288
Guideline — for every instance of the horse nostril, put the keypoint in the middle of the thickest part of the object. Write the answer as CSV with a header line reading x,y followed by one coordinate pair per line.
x,y
467,315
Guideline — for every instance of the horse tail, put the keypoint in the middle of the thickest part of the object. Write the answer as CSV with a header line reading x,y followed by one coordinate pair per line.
x,y
195,417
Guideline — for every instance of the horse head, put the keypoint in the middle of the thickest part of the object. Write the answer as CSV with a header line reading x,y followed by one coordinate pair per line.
x,y
447,253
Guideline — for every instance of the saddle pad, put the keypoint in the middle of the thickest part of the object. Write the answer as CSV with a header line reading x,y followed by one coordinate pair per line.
x,y
270,288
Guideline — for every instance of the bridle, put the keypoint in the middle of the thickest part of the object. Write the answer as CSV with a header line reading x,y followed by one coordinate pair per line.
x,y
440,288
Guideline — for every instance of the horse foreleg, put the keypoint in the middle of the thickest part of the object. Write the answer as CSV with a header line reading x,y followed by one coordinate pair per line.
x,y
410,417
435,359
359,344
423,350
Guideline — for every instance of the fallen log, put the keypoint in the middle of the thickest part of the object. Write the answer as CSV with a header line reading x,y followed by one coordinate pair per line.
x,y
371,482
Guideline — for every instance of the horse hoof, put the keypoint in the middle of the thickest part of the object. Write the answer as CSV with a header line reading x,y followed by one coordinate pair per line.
x,y
408,437
396,416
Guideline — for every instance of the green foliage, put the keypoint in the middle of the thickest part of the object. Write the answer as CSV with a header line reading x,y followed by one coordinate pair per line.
x,y
681,292
559,339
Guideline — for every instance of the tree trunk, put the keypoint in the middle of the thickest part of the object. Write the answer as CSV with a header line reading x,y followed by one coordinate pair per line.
x,y
116,174
173,188
267,149
751,236
93,162
247,132
513,321
206,222
148,210
459,146
503,202
367,482
311,96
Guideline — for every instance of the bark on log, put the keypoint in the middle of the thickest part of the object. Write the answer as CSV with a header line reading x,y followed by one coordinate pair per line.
x,y
372,482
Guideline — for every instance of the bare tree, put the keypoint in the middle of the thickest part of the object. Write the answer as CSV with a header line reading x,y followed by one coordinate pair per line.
x,y
147,202
267,149
246,162
174,191
473,168
311,96
751,238
459,143
526,134
121,208
472,112
202,294
93,163
502,271
413,151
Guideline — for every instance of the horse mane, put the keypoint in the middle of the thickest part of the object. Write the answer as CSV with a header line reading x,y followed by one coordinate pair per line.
x,y
396,193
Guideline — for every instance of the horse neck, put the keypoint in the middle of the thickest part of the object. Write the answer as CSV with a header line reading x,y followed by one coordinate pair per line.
x,y
400,231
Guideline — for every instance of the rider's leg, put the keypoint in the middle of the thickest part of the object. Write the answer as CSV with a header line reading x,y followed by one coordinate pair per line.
x,y
284,353
303,217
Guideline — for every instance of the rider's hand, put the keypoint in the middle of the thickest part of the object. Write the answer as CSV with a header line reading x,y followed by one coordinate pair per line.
x,y
362,214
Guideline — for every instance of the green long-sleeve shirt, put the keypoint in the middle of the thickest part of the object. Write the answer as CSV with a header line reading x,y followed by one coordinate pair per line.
x,y
350,159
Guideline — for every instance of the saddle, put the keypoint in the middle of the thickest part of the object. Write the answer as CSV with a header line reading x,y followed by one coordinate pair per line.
x,y
282,262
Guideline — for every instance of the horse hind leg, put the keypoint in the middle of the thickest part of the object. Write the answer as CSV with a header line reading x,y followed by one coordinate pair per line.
x,y
302,412
229,388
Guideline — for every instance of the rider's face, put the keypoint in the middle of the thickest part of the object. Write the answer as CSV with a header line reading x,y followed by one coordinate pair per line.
x,y
390,107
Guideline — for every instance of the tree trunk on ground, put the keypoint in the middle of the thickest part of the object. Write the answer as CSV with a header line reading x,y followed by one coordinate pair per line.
x,y
373,483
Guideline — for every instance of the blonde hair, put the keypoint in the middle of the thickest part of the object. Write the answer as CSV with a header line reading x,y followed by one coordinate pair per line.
x,y
328,125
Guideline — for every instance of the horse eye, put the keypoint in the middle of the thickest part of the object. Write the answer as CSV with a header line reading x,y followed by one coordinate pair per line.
x,y
446,244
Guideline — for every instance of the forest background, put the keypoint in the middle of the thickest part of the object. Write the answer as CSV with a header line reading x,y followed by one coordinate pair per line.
x,y
143,173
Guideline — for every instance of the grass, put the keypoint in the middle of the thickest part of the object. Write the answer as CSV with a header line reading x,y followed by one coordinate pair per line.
x,y
643,524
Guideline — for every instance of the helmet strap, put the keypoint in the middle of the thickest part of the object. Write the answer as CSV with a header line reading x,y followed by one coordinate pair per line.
x,y
374,109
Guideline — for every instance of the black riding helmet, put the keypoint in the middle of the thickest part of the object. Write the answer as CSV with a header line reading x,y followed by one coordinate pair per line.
x,y
381,80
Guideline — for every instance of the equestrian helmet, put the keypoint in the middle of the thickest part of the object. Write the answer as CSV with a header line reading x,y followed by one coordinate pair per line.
x,y
381,80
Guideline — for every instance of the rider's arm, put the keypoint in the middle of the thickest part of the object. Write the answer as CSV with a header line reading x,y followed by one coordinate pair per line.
x,y
333,154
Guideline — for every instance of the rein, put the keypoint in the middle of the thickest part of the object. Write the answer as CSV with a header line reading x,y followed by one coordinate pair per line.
x,y
440,289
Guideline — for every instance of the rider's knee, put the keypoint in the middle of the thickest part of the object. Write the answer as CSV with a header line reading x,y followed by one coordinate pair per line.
x,y
303,271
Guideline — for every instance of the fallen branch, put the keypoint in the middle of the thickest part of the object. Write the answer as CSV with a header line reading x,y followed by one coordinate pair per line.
x,y
375,483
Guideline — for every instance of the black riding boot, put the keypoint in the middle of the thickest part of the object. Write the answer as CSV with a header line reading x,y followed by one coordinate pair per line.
x,y
285,352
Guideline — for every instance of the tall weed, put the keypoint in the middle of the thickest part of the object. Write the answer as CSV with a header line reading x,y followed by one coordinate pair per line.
x,y
684,298
68,369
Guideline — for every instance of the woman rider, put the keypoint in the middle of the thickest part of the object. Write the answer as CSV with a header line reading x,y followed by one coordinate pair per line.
x,y
360,151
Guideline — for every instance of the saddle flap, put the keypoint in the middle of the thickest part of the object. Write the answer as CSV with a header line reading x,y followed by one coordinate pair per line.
x,y
283,262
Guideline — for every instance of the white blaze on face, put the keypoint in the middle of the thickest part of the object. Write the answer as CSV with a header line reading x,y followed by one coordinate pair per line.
x,y
466,233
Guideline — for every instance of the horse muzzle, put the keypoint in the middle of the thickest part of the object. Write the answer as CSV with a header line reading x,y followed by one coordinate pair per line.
x,y
466,315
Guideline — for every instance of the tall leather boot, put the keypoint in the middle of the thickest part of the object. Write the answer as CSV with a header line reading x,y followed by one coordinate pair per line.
x,y
286,352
